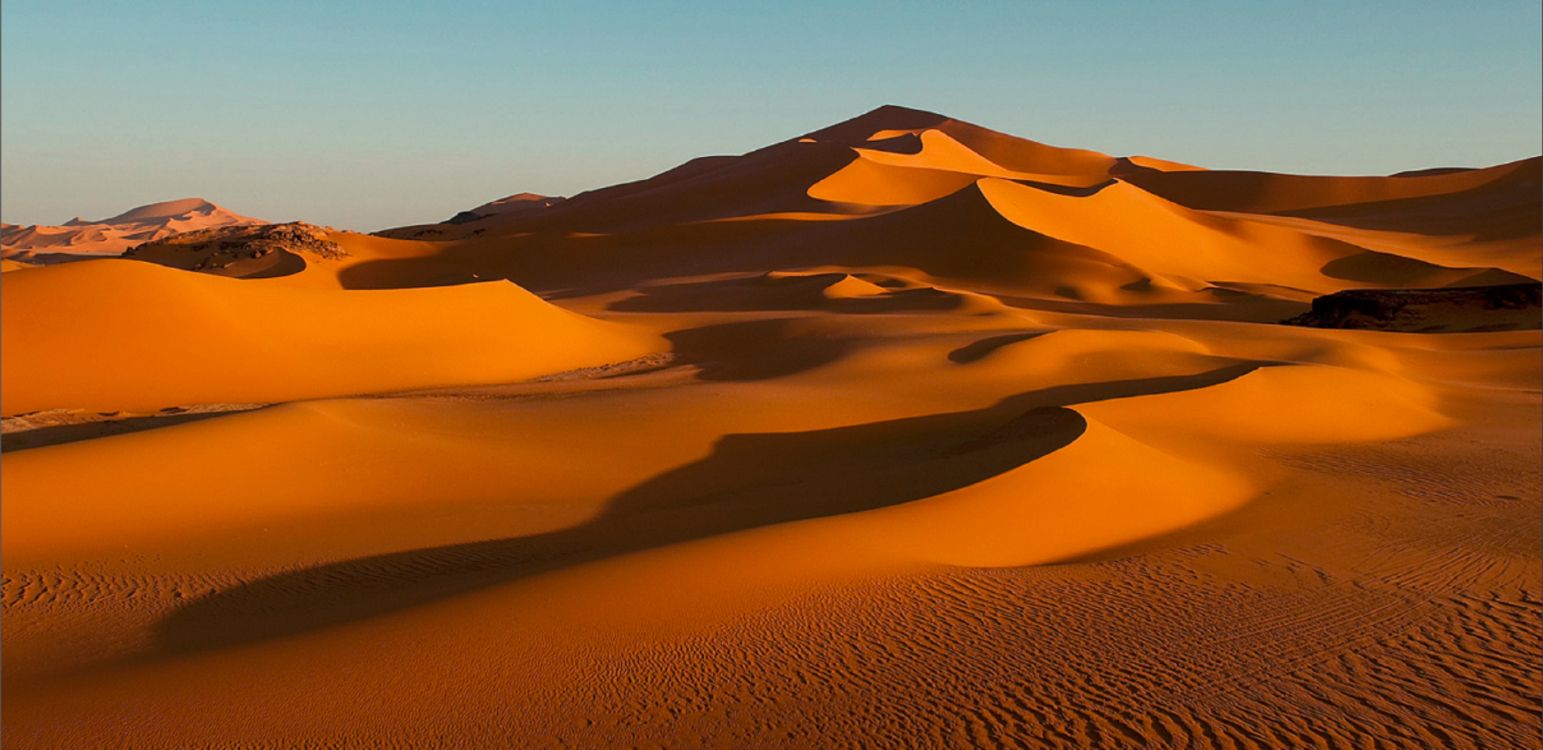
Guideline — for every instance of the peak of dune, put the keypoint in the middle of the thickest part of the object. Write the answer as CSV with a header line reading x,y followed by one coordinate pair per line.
x,y
1428,171
899,111
516,202
896,116
888,117
165,210
851,287
523,198
904,132
1161,165
511,204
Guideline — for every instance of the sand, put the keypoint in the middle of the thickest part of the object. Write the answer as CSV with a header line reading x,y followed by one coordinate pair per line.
x,y
899,433
81,238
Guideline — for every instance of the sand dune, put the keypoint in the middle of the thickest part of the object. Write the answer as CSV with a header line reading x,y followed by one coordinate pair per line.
x,y
79,237
813,198
1263,192
253,342
901,432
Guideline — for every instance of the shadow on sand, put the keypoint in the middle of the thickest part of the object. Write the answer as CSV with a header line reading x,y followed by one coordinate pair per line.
x,y
59,434
798,292
749,480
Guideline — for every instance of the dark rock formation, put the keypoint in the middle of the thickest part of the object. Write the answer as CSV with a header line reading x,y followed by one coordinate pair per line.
x,y
244,251
1453,309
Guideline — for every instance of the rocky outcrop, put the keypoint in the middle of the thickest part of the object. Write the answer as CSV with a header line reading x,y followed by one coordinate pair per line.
x,y
266,250
1453,309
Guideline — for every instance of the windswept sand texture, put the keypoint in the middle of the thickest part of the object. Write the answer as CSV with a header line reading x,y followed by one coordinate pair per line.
x,y
901,433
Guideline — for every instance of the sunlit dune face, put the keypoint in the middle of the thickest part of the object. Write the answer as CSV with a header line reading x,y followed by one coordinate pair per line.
x,y
901,433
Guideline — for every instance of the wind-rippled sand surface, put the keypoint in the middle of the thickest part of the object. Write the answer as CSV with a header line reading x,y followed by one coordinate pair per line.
x,y
905,433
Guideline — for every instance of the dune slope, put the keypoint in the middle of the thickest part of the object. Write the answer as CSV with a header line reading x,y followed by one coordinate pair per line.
x,y
171,338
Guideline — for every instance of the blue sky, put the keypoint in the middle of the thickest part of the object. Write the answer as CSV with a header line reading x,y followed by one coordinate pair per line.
x,y
373,114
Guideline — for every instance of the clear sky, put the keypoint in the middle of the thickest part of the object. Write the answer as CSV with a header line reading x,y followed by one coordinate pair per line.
x,y
373,114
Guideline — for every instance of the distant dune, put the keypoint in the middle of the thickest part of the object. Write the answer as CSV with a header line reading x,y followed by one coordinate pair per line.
x,y
1185,229
517,203
82,238
902,432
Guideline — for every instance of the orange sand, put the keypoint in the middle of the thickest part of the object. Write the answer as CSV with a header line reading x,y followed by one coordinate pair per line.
x,y
900,433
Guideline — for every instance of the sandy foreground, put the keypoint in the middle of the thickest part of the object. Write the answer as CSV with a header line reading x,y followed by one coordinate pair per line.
x,y
903,433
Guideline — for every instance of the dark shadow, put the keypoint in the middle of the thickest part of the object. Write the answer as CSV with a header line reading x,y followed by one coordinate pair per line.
x,y
1380,268
1244,307
960,237
447,268
979,349
1371,266
39,437
268,266
905,143
748,481
50,259
795,292
1506,208
271,266
753,350
1070,190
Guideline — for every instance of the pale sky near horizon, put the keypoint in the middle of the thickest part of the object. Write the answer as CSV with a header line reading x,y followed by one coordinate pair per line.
x,y
369,115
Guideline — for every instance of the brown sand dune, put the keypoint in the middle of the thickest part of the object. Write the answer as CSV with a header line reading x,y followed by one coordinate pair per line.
x,y
899,433
1263,192
1161,165
773,178
1166,237
82,238
517,203
256,342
